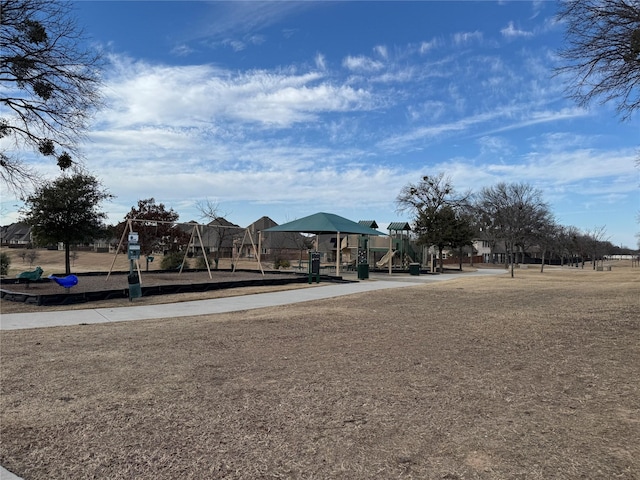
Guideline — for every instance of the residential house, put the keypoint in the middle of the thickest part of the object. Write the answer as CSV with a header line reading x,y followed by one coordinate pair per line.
x,y
273,245
16,235
217,237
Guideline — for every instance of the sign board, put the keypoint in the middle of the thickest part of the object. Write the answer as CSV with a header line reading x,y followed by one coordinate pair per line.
x,y
133,237
134,252
314,267
314,264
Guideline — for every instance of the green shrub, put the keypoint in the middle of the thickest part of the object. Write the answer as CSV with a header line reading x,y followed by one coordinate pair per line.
x,y
281,263
173,260
201,264
5,262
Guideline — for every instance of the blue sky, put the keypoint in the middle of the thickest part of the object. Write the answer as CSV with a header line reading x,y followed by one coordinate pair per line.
x,y
285,109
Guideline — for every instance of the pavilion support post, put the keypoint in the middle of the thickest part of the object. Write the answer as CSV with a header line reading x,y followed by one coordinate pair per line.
x,y
338,248
390,250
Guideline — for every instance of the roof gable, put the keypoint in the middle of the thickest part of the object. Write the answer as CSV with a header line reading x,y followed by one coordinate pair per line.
x,y
261,224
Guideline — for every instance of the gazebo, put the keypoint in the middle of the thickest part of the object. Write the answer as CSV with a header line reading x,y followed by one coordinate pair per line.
x,y
325,223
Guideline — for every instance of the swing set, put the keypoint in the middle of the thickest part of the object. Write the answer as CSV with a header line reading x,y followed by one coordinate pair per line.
x,y
195,232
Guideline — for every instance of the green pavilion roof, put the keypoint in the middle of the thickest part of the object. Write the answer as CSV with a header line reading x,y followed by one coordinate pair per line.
x,y
324,223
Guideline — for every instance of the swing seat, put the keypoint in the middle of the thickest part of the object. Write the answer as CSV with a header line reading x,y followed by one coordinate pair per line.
x,y
66,282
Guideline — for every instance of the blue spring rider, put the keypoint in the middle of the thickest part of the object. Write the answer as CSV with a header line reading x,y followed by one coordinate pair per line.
x,y
66,282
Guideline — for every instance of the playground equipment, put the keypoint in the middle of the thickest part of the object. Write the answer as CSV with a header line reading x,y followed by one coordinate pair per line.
x,y
66,282
256,250
32,276
388,257
134,255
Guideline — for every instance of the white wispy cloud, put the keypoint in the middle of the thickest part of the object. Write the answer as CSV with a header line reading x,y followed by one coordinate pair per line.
x,y
231,21
527,119
510,32
382,51
362,63
187,96
466,38
495,145
181,50
428,46
510,117
320,61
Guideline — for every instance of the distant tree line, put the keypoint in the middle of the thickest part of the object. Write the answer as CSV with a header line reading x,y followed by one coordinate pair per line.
x,y
513,215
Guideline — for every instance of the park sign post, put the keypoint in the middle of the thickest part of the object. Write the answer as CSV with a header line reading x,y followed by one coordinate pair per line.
x,y
314,267
133,253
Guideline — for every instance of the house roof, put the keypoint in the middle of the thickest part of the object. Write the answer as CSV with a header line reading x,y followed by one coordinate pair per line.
x,y
324,223
222,222
16,233
261,224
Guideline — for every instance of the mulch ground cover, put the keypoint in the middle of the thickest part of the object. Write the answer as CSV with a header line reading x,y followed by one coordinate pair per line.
x,y
102,281
534,377
100,286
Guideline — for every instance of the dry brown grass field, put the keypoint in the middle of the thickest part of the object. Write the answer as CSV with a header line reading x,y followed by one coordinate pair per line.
x,y
532,377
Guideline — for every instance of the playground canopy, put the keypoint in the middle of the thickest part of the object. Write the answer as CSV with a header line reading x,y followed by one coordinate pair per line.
x,y
322,222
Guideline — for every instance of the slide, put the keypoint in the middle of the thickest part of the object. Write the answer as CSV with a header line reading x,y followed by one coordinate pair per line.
x,y
386,259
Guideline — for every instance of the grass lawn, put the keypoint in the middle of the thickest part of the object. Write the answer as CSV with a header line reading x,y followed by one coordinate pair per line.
x,y
532,377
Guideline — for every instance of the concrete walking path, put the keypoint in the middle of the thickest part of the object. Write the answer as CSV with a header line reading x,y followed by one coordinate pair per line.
x,y
14,321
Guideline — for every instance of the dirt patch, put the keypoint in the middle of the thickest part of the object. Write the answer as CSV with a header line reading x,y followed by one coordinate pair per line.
x,y
534,377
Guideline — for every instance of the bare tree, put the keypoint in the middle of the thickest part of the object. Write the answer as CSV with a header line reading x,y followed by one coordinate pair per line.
x,y
567,244
73,256
437,209
50,85
433,192
209,209
603,52
596,239
32,256
223,231
515,213
547,238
